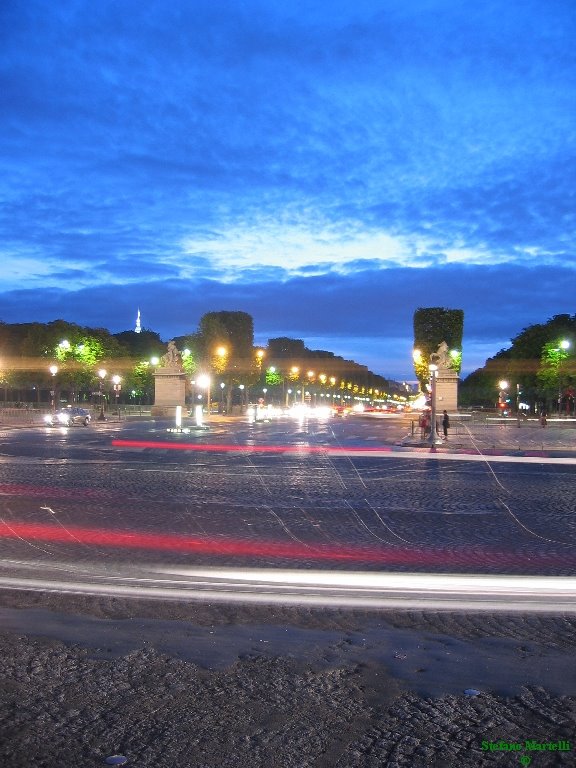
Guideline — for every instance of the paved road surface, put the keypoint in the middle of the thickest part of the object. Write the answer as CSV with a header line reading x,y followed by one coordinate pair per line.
x,y
341,495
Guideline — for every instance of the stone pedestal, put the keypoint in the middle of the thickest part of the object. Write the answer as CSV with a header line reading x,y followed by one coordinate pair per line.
x,y
169,392
446,390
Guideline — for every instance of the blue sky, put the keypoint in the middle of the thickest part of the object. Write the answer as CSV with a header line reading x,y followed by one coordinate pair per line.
x,y
328,167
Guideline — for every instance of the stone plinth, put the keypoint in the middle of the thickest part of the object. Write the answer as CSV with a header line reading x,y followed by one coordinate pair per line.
x,y
169,392
446,390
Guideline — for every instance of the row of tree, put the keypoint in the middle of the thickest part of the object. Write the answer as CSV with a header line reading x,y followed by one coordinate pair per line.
x,y
538,370
37,359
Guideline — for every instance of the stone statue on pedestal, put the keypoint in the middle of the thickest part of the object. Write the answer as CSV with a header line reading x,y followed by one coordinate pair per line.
x,y
172,359
441,357
169,384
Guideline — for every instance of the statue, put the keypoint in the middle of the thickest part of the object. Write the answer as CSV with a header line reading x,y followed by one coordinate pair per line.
x,y
172,358
441,357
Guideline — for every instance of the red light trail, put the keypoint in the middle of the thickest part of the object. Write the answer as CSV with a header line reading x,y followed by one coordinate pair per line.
x,y
126,539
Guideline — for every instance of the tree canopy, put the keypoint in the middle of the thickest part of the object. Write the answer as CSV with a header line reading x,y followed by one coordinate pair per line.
x,y
432,326
536,363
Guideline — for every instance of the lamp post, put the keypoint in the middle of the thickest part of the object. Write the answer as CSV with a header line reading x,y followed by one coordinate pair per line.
x,y
563,346
502,395
203,381
117,389
259,357
102,376
53,370
433,369
310,376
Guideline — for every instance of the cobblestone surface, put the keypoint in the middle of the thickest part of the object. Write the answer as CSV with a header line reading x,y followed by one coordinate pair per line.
x,y
76,703
344,704
475,511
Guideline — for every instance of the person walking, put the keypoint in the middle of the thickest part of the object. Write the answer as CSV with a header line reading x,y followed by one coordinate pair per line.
x,y
423,423
445,424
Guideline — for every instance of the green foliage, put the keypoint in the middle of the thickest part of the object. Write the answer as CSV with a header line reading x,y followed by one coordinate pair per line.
x,y
535,362
552,369
143,345
284,348
432,326
232,330
273,378
28,350
140,379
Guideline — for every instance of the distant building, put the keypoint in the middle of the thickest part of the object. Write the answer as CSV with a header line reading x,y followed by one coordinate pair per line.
x,y
138,328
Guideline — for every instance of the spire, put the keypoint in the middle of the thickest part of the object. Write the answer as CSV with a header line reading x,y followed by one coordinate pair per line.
x,y
138,326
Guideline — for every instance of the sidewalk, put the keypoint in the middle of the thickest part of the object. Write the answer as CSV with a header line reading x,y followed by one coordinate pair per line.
x,y
505,435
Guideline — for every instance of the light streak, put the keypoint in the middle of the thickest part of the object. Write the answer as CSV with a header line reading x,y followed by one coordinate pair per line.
x,y
444,591
221,546
391,452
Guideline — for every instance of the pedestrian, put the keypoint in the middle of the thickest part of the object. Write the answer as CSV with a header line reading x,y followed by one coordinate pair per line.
x,y
425,423
542,418
422,423
445,424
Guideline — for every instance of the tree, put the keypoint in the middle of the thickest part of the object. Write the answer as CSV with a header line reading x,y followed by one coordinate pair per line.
x,y
226,345
432,326
531,364
141,346
553,374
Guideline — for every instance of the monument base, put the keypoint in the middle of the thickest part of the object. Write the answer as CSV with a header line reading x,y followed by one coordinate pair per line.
x,y
166,412
169,393
447,391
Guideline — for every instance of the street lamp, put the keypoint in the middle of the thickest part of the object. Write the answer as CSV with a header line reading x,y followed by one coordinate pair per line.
x,y
222,385
433,370
53,370
310,375
502,394
204,381
117,388
259,355
563,346
102,376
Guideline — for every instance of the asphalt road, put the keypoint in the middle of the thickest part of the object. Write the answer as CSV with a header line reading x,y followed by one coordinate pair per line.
x,y
134,506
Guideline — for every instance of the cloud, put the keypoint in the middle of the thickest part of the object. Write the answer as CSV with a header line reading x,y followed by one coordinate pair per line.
x,y
327,167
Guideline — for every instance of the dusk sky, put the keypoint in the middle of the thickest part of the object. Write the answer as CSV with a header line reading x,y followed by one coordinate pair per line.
x,y
326,166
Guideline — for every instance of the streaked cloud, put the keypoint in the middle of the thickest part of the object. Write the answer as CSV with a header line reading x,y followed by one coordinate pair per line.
x,y
327,167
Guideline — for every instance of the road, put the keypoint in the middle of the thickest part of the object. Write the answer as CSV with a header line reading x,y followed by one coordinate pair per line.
x,y
304,511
